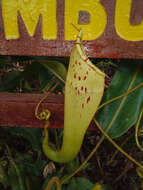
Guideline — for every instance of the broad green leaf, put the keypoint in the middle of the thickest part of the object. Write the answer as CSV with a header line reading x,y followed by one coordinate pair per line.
x,y
80,183
122,114
13,179
30,170
30,165
33,135
2,61
3,177
27,87
32,182
11,81
16,180
32,71
57,68
36,71
72,165
105,187
46,79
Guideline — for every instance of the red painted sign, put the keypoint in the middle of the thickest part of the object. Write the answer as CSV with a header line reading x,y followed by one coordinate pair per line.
x,y
112,29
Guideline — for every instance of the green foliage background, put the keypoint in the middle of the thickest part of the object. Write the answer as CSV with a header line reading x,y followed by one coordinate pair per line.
x,y
21,159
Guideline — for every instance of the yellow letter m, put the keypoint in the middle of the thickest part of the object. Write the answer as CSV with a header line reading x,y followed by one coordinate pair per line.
x,y
30,11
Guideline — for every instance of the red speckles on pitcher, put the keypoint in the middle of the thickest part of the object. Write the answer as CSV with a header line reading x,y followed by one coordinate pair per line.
x,y
84,78
82,106
88,100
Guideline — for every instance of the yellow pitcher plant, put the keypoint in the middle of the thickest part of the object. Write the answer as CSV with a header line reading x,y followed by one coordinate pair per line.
x,y
84,89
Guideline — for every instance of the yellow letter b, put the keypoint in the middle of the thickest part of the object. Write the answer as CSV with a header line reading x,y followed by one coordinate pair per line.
x,y
97,22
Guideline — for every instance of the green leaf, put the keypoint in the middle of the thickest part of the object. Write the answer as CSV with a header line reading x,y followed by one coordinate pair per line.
x,y
15,178
30,165
11,81
122,114
72,165
27,87
32,183
57,68
33,135
2,61
80,183
45,79
3,177
32,71
105,187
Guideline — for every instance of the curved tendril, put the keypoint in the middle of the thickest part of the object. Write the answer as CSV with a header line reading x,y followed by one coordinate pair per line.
x,y
45,114
121,96
137,130
117,146
52,181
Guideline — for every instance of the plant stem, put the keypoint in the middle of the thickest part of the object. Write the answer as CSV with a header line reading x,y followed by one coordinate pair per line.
x,y
52,181
115,145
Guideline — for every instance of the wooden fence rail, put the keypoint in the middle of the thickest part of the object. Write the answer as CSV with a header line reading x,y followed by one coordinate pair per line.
x,y
19,110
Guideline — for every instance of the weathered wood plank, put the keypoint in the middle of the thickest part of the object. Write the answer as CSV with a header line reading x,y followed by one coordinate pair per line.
x,y
108,45
18,110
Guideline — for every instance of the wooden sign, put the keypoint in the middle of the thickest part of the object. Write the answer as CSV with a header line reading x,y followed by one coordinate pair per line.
x,y
112,28
19,110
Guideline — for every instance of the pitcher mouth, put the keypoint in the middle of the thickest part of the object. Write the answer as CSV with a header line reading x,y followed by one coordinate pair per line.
x,y
81,51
